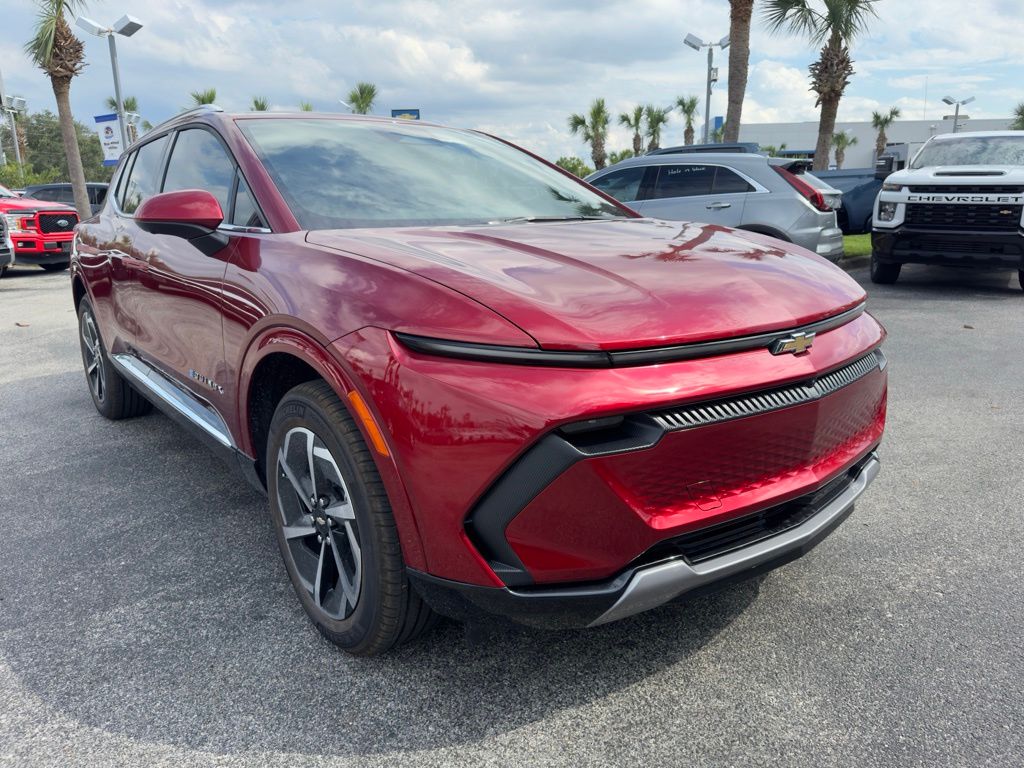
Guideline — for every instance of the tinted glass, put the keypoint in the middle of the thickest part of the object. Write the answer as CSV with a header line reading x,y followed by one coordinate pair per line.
x,y
246,213
971,150
340,173
44,194
683,181
145,174
199,161
728,182
623,185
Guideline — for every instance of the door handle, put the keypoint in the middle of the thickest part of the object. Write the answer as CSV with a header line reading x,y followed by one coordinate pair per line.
x,y
718,206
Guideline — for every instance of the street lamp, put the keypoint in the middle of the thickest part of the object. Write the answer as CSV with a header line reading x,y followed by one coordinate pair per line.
x,y
956,112
696,43
127,26
11,105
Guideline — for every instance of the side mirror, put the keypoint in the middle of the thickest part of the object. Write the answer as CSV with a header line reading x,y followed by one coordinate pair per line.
x,y
192,214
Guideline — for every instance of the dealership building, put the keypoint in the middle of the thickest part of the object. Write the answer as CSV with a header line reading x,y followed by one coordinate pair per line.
x,y
911,133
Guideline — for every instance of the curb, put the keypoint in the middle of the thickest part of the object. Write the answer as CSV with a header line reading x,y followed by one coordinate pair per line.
x,y
854,262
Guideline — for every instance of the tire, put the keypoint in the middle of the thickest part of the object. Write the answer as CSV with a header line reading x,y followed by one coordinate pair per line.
x,y
113,397
1020,278
3,270
55,267
882,273
339,541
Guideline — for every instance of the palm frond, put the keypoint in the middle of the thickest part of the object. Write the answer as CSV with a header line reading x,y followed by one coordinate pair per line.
x,y
205,96
795,17
362,97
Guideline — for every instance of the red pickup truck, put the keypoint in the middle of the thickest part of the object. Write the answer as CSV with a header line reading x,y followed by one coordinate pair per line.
x,y
41,231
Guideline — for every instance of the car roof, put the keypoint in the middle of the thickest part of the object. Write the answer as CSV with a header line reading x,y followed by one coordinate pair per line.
x,y
689,158
977,135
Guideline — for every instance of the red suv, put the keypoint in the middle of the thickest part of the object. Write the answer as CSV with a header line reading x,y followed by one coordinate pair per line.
x,y
41,232
469,383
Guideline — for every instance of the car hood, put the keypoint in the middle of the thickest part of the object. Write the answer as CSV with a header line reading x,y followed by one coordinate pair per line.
x,y
957,175
28,203
619,284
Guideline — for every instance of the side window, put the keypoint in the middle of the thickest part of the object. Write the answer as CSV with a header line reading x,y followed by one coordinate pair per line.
x,y
623,185
683,181
144,179
198,161
65,195
246,214
45,194
729,182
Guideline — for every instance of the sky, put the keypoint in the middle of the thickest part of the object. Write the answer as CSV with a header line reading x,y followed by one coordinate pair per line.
x,y
518,69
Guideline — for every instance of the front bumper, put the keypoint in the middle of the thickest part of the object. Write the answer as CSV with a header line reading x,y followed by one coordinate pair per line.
x,y
997,250
33,248
650,584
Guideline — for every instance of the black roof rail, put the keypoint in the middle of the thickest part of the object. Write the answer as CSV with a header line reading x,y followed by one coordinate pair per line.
x,y
742,147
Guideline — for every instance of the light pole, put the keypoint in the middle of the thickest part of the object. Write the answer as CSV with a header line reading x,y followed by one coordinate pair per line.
x,y
127,26
8,106
956,111
696,43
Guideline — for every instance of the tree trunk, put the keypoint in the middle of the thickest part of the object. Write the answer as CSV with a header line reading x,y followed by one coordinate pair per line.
x,y
826,127
597,153
840,157
740,12
62,90
638,144
880,143
688,135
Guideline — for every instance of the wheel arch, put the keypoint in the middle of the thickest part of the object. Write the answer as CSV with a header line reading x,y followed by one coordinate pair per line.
x,y
762,229
281,359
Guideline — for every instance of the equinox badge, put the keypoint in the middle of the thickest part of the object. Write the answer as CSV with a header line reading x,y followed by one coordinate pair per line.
x,y
793,344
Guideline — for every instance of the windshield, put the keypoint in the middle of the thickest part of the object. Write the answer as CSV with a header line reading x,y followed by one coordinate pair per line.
x,y
340,174
971,150
5,192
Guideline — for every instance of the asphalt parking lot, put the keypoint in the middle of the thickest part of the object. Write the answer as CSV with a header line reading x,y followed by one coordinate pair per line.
x,y
146,619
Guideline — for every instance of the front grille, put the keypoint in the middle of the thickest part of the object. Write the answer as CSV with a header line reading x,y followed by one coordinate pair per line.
x,y
925,244
969,189
975,217
744,531
50,223
763,402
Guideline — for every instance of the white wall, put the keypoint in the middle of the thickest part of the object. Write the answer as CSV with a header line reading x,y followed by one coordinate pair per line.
x,y
861,155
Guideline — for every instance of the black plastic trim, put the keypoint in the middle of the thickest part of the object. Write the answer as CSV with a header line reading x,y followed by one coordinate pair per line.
x,y
495,353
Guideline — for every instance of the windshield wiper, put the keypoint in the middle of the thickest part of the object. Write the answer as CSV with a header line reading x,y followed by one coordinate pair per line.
x,y
518,219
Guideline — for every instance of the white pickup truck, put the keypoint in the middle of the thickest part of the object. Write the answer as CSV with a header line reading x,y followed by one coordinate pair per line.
x,y
959,203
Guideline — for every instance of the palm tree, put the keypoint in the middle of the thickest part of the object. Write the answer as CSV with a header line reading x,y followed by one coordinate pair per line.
x,y
634,120
836,24
305,106
688,106
574,166
618,157
771,150
842,141
130,104
880,121
207,96
593,128
55,50
740,12
361,98
259,104
656,118
1018,118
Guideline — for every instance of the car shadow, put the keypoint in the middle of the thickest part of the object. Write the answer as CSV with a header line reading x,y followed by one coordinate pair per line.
x,y
143,595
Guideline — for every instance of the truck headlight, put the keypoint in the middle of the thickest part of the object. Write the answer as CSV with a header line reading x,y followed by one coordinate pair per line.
x,y
888,186
886,211
13,222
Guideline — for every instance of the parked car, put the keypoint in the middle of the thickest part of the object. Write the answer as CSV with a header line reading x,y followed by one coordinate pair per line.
x,y
469,383
42,232
733,189
6,247
860,187
62,193
960,203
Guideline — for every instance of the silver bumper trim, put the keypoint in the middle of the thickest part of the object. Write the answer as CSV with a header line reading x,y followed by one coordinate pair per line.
x,y
657,584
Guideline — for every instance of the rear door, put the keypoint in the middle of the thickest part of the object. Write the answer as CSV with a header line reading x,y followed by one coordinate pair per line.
x,y
700,192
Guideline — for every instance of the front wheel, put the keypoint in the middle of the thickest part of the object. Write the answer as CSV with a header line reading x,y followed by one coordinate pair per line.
x,y
55,267
883,273
335,528
111,394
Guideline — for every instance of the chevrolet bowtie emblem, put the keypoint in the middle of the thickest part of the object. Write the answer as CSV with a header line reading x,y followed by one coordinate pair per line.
x,y
793,344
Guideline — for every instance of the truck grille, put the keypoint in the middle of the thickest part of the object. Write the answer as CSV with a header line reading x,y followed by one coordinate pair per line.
x,y
969,189
998,218
946,245
50,223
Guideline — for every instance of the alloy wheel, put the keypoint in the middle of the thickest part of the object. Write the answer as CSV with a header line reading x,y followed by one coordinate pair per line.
x,y
318,523
92,351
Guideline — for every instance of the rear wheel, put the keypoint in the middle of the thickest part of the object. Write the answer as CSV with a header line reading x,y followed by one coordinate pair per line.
x,y
55,267
111,394
882,273
335,528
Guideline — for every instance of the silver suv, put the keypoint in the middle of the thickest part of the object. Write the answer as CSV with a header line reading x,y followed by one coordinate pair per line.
x,y
745,191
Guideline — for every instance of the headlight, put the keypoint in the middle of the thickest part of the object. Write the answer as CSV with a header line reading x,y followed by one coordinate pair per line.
x,y
13,222
886,211
890,187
